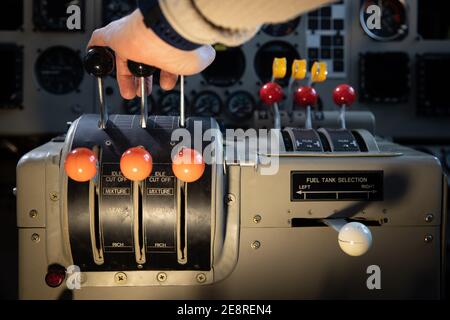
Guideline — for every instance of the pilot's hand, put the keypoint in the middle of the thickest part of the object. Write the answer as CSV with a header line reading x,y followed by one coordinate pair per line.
x,y
130,39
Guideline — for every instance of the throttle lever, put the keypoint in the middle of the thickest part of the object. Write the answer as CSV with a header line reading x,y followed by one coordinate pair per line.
x,y
99,62
142,71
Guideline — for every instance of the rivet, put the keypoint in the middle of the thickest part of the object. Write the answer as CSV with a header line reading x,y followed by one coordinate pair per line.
x,y
256,244
35,237
33,214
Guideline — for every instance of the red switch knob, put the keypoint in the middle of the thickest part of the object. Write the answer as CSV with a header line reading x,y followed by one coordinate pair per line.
x,y
305,96
81,164
271,93
188,165
344,95
136,164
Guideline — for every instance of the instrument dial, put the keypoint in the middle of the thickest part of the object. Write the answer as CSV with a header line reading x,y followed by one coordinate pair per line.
x,y
392,19
269,51
207,104
228,67
59,70
169,103
240,105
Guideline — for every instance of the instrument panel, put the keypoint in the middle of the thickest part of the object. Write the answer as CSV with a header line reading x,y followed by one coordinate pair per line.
x,y
43,84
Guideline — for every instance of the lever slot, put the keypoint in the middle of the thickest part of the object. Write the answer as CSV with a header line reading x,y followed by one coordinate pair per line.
x,y
306,222
360,140
181,222
138,233
94,216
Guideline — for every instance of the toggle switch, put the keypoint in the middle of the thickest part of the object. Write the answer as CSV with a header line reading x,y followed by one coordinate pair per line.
x,y
279,68
271,94
319,72
99,62
298,72
188,165
81,164
136,164
306,97
142,71
343,96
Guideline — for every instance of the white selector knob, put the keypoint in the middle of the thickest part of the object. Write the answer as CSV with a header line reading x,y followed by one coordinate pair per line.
x,y
355,239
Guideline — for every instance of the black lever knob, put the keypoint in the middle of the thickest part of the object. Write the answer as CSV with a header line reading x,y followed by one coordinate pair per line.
x,y
99,62
140,70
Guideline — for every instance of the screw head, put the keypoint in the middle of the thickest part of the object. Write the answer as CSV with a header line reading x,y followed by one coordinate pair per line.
x,y
257,218
140,266
35,237
120,277
429,217
428,238
161,277
256,244
54,196
201,277
33,214
230,199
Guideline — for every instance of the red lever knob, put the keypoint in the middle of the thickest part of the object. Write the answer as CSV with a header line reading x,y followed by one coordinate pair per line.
x,y
305,96
344,95
188,165
81,164
136,164
271,93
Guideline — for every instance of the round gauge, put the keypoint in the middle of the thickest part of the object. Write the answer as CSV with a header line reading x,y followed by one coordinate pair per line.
x,y
227,68
207,104
116,9
59,70
52,15
384,20
281,29
265,55
133,106
240,105
169,103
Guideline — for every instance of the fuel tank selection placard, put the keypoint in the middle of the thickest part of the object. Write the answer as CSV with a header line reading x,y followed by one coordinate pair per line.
x,y
336,185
